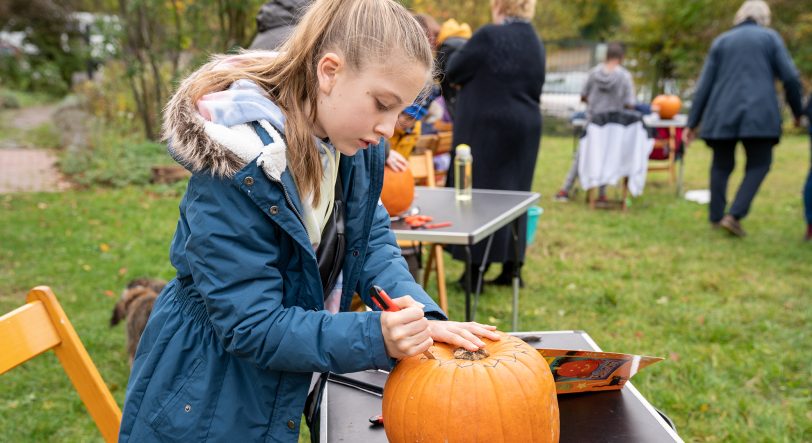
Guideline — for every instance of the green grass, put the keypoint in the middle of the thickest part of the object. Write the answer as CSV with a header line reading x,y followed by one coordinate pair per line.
x,y
732,316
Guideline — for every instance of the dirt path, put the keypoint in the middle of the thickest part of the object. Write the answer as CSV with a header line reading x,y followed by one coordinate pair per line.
x,y
28,169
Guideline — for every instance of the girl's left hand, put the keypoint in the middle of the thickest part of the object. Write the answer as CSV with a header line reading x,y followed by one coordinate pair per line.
x,y
465,335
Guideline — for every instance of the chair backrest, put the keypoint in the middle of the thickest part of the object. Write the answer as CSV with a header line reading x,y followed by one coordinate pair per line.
x,y
443,142
426,142
422,167
441,126
41,325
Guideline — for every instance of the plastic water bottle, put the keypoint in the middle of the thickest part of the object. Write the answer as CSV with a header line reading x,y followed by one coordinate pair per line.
x,y
463,171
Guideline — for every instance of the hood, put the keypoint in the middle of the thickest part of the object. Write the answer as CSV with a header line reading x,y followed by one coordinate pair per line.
x,y
608,80
451,28
222,142
277,13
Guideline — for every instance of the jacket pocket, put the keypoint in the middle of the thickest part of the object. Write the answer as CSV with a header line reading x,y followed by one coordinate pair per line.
x,y
184,413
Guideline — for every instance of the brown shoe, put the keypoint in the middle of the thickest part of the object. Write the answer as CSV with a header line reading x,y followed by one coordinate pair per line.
x,y
732,225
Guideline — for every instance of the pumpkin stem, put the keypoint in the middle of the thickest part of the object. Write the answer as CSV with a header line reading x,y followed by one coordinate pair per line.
x,y
464,354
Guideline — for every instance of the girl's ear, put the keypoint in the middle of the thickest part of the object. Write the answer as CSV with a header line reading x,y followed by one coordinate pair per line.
x,y
327,71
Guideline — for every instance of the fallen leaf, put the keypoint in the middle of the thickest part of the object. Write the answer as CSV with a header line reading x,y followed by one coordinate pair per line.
x,y
87,267
662,300
42,205
704,407
109,293
104,247
673,356
122,271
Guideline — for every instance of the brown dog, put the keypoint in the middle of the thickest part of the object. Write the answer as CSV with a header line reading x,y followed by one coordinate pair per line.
x,y
135,305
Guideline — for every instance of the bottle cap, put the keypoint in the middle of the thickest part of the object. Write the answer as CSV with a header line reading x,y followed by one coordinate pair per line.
x,y
463,148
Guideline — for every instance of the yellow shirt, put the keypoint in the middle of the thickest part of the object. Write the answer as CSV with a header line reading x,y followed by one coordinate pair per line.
x,y
403,142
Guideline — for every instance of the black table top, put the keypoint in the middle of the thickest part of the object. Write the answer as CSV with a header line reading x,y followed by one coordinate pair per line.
x,y
608,416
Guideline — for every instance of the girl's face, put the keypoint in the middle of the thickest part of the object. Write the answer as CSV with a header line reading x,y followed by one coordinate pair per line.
x,y
356,109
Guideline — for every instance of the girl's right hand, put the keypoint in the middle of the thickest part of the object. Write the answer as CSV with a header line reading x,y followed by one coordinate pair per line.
x,y
406,332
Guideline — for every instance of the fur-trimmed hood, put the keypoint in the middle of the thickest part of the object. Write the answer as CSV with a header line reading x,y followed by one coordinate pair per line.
x,y
203,145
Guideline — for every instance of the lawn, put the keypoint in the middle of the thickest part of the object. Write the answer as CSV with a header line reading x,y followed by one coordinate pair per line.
x,y
731,316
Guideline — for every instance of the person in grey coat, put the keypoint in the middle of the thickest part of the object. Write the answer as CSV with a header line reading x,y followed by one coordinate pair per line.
x,y
736,101
275,22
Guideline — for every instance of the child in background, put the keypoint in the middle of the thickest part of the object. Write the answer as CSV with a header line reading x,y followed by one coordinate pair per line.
x,y
407,130
275,142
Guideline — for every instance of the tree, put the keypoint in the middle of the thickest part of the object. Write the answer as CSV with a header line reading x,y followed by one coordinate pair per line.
x,y
50,28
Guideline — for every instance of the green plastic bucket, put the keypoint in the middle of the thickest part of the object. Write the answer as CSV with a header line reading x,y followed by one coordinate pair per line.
x,y
533,214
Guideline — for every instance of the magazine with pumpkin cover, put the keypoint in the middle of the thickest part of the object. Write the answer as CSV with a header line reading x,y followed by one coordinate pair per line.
x,y
584,371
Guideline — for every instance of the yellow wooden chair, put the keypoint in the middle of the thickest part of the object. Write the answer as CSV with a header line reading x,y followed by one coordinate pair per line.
x,y
41,325
422,167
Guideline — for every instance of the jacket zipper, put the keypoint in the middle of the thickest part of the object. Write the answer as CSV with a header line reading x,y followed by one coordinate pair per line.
x,y
288,199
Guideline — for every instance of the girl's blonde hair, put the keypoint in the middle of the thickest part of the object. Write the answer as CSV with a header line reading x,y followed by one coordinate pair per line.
x,y
516,8
756,10
364,32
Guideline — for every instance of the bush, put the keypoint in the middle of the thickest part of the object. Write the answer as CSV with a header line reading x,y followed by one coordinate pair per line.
x,y
113,160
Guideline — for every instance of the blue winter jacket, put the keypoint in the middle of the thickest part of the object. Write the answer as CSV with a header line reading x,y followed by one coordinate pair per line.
x,y
232,342
736,97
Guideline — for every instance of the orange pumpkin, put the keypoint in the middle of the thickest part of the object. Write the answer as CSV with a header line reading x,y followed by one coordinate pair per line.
x,y
504,394
667,105
398,191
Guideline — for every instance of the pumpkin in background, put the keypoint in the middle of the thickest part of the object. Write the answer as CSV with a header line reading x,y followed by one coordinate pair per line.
x,y
398,191
667,105
502,393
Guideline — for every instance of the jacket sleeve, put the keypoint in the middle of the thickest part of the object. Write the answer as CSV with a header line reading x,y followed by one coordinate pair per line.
x,y
467,60
234,253
385,266
705,85
786,71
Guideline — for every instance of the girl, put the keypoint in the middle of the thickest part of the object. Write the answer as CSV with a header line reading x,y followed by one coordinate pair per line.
x,y
233,340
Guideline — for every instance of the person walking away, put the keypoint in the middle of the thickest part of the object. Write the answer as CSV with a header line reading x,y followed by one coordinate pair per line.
x,y
736,101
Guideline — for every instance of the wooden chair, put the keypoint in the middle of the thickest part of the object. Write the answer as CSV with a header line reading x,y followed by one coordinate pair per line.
x,y
422,166
667,150
443,146
442,126
443,142
426,142
41,325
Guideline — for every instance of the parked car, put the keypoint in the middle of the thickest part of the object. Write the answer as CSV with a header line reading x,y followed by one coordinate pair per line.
x,y
561,94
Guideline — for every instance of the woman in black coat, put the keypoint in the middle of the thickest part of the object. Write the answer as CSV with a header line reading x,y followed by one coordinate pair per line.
x,y
736,101
500,72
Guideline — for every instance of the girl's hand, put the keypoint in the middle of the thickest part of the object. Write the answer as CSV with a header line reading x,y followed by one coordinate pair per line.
x,y
397,162
405,332
465,335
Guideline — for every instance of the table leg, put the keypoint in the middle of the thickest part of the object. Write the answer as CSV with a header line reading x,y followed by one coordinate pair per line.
x,y
481,274
680,174
467,288
516,271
